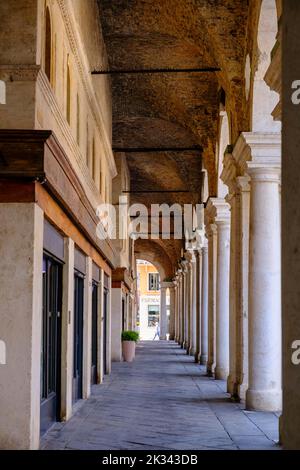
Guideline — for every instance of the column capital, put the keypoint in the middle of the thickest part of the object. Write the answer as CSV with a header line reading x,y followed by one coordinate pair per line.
x,y
243,183
228,175
257,150
219,210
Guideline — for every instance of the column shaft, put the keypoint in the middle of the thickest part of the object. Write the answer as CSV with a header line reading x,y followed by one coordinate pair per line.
x,y
264,392
204,308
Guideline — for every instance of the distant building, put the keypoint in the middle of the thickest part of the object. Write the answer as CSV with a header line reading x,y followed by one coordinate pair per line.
x,y
148,286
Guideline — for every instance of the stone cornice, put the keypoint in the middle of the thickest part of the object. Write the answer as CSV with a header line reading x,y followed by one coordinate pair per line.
x,y
78,48
19,73
257,149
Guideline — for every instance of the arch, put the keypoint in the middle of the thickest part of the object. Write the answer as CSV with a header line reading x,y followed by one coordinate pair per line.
x,y
152,252
265,100
48,45
224,141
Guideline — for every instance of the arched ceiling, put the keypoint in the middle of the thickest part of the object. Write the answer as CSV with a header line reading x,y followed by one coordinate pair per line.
x,y
172,109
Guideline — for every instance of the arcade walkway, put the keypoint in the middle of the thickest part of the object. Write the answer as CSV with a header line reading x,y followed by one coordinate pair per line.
x,y
162,401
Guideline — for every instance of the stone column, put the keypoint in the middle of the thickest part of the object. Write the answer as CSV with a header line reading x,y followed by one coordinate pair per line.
x,y
186,306
204,308
192,305
172,312
222,220
175,307
242,286
87,329
163,311
264,392
234,276
181,307
21,255
198,303
67,328
259,156
211,231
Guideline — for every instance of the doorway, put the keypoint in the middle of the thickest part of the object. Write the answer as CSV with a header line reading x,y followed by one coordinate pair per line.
x,y
104,324
94,369
51,343
78,336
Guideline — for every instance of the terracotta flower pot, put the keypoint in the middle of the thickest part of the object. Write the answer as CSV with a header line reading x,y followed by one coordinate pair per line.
x,y
128,349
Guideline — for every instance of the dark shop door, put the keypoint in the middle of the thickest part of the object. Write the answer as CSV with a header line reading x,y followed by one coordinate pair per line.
x,y
94,371
51,343
105,302
78,336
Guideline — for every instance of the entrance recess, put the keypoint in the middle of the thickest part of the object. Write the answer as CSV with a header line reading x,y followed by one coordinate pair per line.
x,y
94,371
78,336
51,343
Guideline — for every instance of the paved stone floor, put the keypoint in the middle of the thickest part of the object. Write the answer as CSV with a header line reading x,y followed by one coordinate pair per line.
x,y
162,401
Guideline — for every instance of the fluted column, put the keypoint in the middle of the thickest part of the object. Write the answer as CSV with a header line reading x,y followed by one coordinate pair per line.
x,y
222,220
204,308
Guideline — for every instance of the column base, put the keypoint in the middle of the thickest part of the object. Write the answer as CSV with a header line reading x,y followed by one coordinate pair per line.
x,y
242,390
203,359
210,370
196,355
264,400
220,373
232,386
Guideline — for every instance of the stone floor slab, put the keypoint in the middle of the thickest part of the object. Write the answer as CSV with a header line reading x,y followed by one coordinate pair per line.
x,y
162,401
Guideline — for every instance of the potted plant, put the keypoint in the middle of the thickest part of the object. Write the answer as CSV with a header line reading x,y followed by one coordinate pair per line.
x,y
129,339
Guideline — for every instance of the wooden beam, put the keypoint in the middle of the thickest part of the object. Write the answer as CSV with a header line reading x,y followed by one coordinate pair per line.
x,y
156,71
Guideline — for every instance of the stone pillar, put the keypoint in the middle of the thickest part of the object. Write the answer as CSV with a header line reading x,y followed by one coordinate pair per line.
x,y
87,329
175,307
264,392
242,286
222,220
186,306
67,330
198,303
163,311
204,308
259,156
181,308
21,258
290,423
234,276
192,305
211,231
172,312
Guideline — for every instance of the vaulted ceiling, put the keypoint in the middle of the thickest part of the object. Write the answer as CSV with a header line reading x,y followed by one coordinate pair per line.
x,y
172,110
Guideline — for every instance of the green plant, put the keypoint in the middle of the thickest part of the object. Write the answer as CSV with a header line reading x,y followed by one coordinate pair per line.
x,y
130,336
